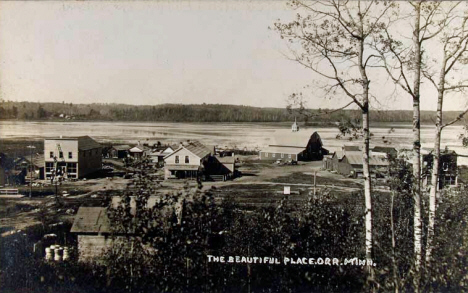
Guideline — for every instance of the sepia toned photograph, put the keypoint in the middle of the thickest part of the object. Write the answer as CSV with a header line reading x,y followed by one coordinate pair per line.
x,y
233,146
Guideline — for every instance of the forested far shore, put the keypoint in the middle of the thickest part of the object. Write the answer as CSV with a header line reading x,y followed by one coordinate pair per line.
x,y
194,113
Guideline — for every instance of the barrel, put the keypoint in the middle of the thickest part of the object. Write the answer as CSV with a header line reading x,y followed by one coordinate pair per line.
x,y
58,253
66,254
49,254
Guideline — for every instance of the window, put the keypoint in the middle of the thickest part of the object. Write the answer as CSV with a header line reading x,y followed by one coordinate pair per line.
x,y
70,155
273,155
187,160
266,155
177,159
282,155
71,168
51,155
49,167
289,156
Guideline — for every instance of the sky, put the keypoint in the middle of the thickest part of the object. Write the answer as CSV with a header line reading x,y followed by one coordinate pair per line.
x,y
154,52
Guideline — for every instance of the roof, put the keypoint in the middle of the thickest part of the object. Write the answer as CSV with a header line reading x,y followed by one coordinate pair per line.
x,y
123,147
226,160
87,143
84,142
384,149
339,154
195,147
182,167
284,150
198,149
355,158
156,153
91,220
295,139
137,149
351,148
169,150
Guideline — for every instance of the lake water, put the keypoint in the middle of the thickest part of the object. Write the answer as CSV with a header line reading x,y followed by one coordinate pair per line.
x,y
248,135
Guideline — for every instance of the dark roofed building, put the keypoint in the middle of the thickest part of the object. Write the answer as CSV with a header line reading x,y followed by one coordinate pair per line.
x,y
120,151
221,168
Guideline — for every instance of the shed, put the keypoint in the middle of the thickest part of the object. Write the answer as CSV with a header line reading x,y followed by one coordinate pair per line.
x,y
93,231
120,151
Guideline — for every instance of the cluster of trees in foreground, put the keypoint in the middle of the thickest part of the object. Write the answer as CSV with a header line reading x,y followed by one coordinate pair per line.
x,y
191,113
165,248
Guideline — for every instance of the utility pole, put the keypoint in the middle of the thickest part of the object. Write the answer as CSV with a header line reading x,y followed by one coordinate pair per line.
x,y
30,147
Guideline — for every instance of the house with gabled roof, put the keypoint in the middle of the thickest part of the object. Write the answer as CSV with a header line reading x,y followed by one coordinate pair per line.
x,y
139,151
157,156
352,164
187,162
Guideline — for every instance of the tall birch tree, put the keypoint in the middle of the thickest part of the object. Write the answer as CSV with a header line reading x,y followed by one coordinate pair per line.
x,y
331,38
450,79
405,64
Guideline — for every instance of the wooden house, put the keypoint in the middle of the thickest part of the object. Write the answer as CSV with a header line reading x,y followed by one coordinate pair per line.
x,y
448,168
351,164
139,151
187,162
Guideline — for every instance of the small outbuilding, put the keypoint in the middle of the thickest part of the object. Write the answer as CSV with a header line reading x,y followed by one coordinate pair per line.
x,y
119,151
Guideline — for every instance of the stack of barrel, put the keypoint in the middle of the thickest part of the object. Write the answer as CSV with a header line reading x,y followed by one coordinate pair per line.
x,y
57,253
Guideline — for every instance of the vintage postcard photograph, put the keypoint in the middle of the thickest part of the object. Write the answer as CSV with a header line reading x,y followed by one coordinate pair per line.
x,y
233,146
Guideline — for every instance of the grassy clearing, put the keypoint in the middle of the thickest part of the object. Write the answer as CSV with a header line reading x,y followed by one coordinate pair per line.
x,y
302,178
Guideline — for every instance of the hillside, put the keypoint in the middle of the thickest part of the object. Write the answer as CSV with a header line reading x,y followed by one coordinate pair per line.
x,y
188,113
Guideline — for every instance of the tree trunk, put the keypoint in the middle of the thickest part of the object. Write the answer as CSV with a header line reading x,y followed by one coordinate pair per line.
x,y
367,181
396,283
435,163
365,149
417,149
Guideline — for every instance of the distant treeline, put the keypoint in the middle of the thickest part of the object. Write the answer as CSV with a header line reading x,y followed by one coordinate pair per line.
x,y
191,113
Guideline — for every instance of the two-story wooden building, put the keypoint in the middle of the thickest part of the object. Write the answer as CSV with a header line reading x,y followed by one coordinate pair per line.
x,y
76,157
186,162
